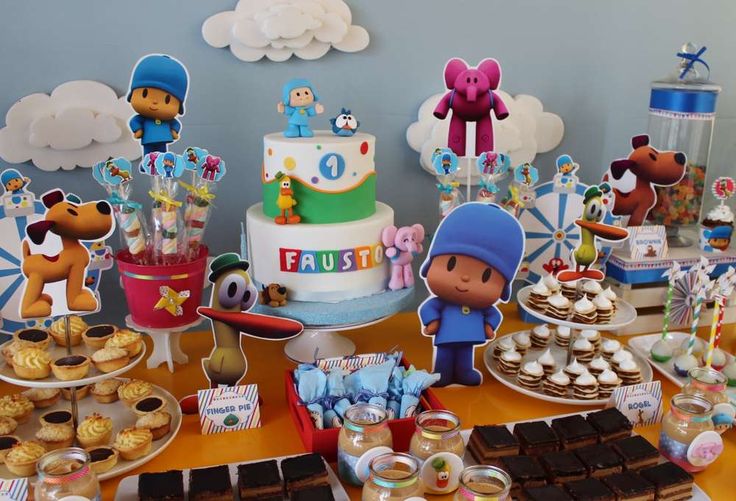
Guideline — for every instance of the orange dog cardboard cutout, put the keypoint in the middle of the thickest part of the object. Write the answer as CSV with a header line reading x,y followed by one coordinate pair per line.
x,y
55,260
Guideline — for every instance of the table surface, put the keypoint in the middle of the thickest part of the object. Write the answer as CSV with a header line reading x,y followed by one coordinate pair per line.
x,y
490,403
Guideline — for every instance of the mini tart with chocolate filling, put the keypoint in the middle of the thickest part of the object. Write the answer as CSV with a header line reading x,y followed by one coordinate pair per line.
x,y
16,406
130,341
55,436
158,422
7,442
22,458
96,336
77,326
133,443
102,458
133,390
71,368
42,397
106,392
32,363
94,430
56,417
37,338
147,405
110,359
82,391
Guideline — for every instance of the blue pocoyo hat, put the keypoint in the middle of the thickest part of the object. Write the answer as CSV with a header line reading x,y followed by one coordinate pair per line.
x,y
483,231
160,71
563,159
9,175
721,232
295,83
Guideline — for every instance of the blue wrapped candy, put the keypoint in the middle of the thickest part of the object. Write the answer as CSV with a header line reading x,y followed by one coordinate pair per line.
x,y
395,391
336,394
414,383
312,388
372,383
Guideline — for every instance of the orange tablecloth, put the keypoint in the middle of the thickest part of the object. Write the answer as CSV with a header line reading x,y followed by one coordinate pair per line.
x,y
488,404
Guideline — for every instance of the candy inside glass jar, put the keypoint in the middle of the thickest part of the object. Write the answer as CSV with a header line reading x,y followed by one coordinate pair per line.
x,y
711,384
66,473
483,483
393,477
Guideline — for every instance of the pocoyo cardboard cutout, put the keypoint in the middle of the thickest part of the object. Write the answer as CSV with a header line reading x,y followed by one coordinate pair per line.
x,y
55,257
472,261
233,295
633,178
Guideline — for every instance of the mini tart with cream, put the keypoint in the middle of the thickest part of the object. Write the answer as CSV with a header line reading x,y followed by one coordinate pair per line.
x,y
10,349
7,442
135,389
540,336
106,392
71,367
22,458
42,397
16,406
133,443
55,436
158,422
583,350
556,384
585,387
598,365
562,336
130,341
95,336
32,363
82,391
102,458
110,359
94,430
7,425
77,326
37,338
607,382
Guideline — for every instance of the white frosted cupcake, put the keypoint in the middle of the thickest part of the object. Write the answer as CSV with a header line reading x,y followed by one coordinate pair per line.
x,y
585,387
583,350
574,369
556,384
540,336
530,376
522,341
547,361
562,336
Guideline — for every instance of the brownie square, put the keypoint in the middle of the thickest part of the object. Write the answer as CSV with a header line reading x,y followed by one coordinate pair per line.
x,y
300,472
671,481
257,480
488,443
589,489
610,423
630,485
546,493
524,471
636,451
599,460
210,484
536,438
166,485
321,493
562,466
574,431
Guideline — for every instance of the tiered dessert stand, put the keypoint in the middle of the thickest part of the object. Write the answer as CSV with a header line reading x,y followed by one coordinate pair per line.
x,y
121,415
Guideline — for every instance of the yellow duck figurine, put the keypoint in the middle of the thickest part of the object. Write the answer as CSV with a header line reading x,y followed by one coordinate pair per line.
x,y
586,253
286,202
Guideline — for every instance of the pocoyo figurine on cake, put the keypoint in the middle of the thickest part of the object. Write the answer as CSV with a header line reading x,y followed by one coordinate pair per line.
x,y
468,271
299,103
158,88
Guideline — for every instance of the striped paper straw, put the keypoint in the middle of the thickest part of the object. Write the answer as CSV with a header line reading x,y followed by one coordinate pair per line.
x,y
667,309
715,330
694,324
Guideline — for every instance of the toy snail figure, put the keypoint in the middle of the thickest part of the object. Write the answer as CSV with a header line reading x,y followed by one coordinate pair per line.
x,y
445,164
492,167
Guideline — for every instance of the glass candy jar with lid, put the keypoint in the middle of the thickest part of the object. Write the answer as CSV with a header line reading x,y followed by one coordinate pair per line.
x,y
393,477
364,435
483,483
66,474
711,384
439,448
687,437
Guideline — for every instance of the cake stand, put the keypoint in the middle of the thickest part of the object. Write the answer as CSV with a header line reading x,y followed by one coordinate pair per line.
x,y
166,347
323,322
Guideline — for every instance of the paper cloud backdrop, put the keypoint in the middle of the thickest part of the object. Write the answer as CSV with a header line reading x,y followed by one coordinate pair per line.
x,y
528,130
79,124
279,29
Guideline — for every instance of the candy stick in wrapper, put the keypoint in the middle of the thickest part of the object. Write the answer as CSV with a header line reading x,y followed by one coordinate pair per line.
x,y
445,164
132,227
168,223
196,214
415,382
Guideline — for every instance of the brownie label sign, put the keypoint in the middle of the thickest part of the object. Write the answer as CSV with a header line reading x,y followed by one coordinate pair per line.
x,y
229,409
641,403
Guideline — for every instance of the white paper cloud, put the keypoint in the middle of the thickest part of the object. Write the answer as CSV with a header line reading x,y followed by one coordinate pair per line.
x,y
79,124
279,29
528,130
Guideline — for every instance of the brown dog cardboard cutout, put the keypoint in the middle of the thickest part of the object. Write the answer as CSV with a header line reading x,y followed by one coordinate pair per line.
x,y
633,179
53,254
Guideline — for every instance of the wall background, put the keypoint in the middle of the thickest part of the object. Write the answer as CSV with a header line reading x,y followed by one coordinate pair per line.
x,y
589,62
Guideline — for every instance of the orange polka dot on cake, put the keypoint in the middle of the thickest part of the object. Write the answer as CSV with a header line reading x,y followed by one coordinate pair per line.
x,y
289,163
270,152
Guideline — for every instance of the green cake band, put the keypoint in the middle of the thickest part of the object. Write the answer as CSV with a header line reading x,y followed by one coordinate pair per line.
x,y
316,207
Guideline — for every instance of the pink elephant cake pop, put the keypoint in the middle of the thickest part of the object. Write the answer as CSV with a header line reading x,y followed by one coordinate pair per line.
x,y
471,99
402,244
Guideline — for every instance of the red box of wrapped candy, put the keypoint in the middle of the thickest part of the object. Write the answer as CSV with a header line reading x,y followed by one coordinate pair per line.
x,y
324,442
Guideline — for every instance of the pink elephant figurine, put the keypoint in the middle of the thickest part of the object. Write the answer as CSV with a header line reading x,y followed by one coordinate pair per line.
x,y
402,244
471,99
